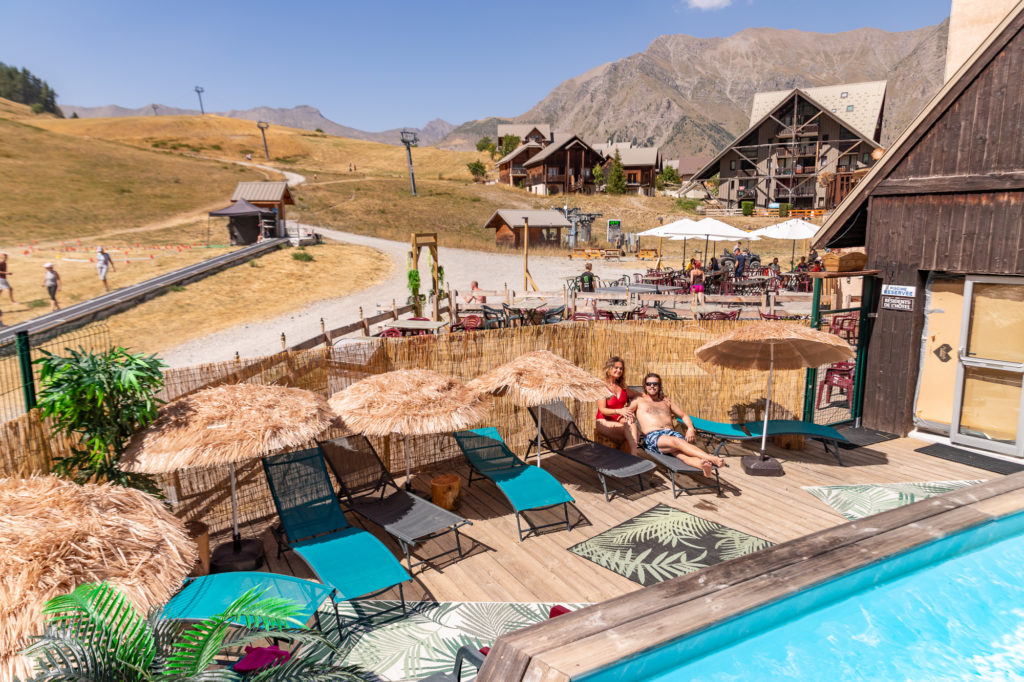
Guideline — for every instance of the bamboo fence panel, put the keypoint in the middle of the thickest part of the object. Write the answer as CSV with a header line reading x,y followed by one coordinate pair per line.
x,y
665,347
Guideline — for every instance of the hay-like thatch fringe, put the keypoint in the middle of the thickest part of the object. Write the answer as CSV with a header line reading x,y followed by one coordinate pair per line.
x,y
410,402
540,377
225,424
752,346
56,535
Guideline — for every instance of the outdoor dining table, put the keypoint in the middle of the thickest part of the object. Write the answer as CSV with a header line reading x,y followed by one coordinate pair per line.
x,y
750,283
532,309
640,289
619,310
416,325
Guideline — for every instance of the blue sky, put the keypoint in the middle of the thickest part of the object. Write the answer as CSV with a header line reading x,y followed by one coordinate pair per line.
x,y
378,64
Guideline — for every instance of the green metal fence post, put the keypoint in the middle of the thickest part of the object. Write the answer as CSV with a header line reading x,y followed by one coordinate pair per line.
x,y
867,294
28,381
812,372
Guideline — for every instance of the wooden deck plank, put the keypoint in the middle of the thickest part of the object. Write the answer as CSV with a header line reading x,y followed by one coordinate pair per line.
x,y
498,567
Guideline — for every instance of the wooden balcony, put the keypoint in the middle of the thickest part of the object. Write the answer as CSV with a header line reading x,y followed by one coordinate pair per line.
x,y
518,170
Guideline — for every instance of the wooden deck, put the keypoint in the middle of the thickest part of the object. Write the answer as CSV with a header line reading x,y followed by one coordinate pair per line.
x,y
497,567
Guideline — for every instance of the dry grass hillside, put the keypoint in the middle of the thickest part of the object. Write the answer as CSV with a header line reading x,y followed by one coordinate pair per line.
x,y
58,186
232,139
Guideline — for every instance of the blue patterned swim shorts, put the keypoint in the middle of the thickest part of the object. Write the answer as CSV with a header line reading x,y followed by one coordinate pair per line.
x,y
651,439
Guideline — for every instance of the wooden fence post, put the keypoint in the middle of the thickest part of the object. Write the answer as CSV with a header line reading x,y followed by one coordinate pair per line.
x,y
366,325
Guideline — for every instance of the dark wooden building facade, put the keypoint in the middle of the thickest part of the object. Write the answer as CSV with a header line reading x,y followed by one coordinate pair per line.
x,y
943,212
566,166
545,226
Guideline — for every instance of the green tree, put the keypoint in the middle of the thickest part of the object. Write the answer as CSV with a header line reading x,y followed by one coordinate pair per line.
x,y
20,85
477,169
484,144
95,633
669,175
509,144
616,176
598,175
103,398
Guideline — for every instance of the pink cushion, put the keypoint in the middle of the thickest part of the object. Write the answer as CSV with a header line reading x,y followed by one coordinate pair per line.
x,y
557,610
257,658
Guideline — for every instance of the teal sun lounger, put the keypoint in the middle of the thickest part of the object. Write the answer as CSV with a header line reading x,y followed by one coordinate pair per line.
x,y
724,433
350,560
525,486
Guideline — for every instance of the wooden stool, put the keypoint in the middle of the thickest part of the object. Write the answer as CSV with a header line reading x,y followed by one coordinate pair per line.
x,y
445,491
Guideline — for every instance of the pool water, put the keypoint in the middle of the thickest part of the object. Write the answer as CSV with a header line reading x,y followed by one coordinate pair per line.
x,y
949,610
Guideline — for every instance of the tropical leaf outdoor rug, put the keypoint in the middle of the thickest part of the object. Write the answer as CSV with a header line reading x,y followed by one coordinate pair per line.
x,y
663,543
857,501
426,641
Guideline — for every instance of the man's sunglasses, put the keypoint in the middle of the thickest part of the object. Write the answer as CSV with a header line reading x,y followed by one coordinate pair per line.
x,y
652,383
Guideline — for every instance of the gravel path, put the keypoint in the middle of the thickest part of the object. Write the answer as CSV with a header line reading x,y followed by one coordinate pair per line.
x,y
461,266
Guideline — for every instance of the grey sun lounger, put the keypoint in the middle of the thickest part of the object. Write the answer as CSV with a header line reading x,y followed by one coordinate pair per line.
x,y
526,487
368,489
560,434
828,436
674,465
348,559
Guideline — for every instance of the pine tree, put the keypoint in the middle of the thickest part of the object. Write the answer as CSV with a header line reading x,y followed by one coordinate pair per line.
x,y
616,176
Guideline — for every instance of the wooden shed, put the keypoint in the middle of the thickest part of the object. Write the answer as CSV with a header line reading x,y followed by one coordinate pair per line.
x,y
545,226
270,195
942,219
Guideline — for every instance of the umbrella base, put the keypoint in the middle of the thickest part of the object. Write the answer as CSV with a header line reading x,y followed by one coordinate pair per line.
x,y
249,558
755,466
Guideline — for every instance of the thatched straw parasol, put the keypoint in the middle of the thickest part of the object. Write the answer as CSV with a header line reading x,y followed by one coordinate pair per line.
x,y
537,378
410,402
765,346
56,535
224,425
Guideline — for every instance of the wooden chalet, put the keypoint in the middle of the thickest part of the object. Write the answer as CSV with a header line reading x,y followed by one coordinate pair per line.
x,y
539,133
545,226
512,166
941,216
566,166
273,196
641,164
804,147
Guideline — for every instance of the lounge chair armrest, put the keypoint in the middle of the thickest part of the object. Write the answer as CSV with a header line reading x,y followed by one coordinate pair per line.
x,y
467,653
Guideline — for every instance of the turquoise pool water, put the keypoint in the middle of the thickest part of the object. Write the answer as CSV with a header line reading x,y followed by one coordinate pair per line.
x,y
949,610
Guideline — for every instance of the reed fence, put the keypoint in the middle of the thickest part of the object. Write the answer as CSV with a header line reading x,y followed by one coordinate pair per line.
x,y
665,347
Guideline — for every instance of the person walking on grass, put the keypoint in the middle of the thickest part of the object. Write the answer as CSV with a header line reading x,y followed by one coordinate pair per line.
x,y
52,284
4,272
103,263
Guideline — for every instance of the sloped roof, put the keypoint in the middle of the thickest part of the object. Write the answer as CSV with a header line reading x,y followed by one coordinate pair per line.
x,y
517,151
638,156
521,130
849,209
513,217
865,98
757,124
559,143
240,208
262,191
688,165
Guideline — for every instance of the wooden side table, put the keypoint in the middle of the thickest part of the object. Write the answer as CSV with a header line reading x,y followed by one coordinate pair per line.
x,y
446,491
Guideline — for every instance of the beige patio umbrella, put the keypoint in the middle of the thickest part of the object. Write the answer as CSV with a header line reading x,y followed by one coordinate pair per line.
x,y
410,402
767,346
537,378
56,535
222,426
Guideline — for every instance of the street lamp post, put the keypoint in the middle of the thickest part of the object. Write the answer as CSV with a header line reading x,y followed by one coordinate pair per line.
x,y
263,125
199,91
409,138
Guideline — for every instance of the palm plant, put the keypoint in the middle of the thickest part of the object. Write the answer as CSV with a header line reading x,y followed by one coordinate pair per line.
x,y
102,398
95,633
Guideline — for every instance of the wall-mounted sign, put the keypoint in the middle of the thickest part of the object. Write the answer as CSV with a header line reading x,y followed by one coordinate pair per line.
x,y
898,297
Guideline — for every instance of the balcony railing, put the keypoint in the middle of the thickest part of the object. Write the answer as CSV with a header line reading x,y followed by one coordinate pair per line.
x,y
787,131
518,170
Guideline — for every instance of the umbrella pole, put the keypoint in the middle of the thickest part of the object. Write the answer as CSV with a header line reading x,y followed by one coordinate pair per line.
x,y
540,415
768,401
792,258
408,476
236,539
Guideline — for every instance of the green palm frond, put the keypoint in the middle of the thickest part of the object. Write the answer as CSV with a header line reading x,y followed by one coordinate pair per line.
x,y
732,544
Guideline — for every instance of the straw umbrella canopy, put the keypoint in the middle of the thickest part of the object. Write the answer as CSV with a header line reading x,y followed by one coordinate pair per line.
x,y
537,378
770,345
410,402
225,425
56,535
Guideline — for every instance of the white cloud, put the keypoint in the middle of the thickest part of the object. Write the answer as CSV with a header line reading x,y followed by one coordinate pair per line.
x,y
708,4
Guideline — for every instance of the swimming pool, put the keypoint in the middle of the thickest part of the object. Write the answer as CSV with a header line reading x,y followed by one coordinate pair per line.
x,y
951,609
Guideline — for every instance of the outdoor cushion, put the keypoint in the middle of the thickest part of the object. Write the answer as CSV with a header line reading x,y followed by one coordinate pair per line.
x,y
352,561
209,595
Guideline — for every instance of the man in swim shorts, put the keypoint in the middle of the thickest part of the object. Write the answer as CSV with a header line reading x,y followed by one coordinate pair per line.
x,y
654,414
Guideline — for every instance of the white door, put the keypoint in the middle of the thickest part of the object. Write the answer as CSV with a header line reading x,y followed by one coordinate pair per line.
x,y
988,408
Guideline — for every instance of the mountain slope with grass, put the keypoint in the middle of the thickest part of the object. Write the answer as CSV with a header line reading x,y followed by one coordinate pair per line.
x,y
60,186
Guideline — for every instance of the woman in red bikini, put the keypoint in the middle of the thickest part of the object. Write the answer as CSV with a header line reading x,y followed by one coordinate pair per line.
x,y
616,419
